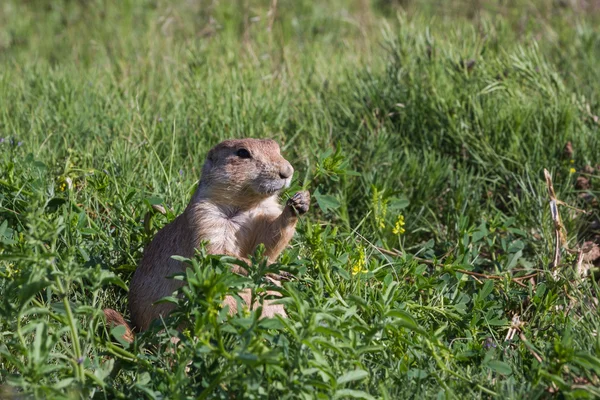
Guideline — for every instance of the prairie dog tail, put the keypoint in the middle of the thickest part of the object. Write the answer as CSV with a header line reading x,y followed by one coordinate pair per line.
x,y
114,318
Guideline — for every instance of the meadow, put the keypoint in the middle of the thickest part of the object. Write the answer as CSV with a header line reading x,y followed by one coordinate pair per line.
x,y
429,265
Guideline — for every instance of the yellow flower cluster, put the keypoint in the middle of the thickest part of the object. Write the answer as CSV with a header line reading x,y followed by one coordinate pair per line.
x,y
11,270
64,183
359,266
399,225
379,208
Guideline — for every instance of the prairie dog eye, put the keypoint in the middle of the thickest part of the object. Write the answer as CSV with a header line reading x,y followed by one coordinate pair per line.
x,y
243,153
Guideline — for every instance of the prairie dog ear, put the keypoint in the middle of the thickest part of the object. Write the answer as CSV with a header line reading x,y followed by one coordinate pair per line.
x,y
210,159
208,163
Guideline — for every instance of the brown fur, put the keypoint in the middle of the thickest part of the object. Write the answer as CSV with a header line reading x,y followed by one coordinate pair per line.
x,y
235,208
113,319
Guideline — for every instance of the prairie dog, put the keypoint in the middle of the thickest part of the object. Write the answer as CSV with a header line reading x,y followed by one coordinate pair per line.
x,y
235,208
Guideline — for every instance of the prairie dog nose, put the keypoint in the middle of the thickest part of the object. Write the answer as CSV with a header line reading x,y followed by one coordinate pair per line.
x,y
286,170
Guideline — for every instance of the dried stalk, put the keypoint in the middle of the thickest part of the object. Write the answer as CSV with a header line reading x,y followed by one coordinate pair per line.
x,y
559,230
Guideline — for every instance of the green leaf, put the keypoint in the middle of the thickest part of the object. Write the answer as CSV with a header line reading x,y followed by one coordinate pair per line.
x,y
88,231
388,279
480,233
500,366
31,289
343,273
39,165
117,332
37,343
587,361
540,290
355,375
398,204
270,323
512,262
167,300
497,322
108,277
143,378
3,227
63,383
417,373
486,290
326,202
388,295
84,254
516,246
181,258
248,358
352,394
405,320
152,200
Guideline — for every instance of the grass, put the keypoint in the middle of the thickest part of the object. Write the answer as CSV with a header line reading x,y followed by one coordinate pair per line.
x,y
421,130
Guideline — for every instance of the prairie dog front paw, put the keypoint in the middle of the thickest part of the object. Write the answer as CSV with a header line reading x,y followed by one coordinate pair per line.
x,y
300,202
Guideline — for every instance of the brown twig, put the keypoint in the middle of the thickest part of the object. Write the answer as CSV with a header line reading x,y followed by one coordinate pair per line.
x,y
533,353
496,277
396,253
562,203
527,269
519,283
478,274
526,276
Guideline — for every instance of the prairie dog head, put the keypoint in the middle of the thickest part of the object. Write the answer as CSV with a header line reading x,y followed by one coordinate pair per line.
x,y
245,171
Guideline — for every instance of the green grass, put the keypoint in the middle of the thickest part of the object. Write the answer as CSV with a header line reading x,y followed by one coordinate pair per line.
x,y
444,114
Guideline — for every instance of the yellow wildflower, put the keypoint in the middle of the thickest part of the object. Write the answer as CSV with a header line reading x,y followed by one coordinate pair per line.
x,y
572,170
399,225
65,183
11,270
572,161
360,263
379,208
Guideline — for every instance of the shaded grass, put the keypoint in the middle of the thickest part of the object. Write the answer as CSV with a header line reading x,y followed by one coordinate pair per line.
x,y
445,120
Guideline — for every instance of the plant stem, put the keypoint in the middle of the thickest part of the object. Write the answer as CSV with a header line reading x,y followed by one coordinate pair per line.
x,y
79,370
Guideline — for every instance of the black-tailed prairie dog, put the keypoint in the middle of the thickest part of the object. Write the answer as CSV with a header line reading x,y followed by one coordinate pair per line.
x,y
234,209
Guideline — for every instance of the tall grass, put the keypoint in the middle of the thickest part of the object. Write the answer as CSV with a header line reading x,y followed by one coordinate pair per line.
x,y
422,133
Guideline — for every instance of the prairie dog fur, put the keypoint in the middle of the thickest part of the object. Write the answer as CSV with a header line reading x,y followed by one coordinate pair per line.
x,y
235,208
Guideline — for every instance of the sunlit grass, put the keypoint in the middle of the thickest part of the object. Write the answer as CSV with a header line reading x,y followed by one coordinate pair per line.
x,y
422,136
